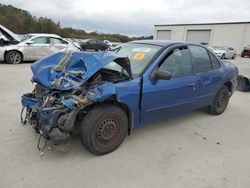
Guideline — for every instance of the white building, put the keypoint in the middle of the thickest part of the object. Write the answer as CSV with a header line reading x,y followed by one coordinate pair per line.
x,y
231,34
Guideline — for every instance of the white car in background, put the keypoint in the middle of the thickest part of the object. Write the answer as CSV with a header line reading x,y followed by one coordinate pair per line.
x,y
224,52
34,47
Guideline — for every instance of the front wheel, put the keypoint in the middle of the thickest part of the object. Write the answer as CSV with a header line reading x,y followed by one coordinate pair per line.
x,y
103,129
220,101
13,57
223,56
234,56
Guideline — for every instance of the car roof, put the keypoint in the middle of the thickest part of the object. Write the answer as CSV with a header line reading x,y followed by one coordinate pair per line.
x,y
44,34
162,43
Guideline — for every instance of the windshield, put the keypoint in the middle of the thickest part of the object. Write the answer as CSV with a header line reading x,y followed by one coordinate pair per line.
x,y
219,48
25,37
139,55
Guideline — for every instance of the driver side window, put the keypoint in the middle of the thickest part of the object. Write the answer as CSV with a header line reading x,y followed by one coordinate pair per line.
x,y
178,62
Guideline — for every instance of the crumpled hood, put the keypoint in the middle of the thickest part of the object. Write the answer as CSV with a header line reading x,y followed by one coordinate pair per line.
x,y
66,71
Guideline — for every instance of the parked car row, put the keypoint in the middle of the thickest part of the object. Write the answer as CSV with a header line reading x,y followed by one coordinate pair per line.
x,y
34,47
30,47
224,52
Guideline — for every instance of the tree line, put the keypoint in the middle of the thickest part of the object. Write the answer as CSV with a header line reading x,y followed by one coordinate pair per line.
x,y
22,22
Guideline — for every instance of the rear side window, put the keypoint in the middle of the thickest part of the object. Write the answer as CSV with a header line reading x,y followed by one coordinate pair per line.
x,y
55,41
178,62
200,59
92,42
215,62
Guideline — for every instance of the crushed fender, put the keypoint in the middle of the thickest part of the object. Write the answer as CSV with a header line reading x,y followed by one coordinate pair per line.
x,y
65,85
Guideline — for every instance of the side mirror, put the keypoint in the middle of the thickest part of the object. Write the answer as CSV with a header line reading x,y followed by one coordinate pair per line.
x,y
30,42
161,75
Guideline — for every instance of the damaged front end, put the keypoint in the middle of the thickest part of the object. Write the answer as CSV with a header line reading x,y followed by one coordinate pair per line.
x,y
67,84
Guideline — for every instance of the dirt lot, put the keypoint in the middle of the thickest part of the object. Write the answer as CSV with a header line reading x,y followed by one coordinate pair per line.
x,y
195,150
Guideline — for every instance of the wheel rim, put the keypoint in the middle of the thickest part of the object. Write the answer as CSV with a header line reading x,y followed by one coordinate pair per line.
x,y
108,131
222,100
15,58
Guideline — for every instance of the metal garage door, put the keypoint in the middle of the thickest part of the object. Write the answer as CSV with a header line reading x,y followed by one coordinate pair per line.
x,y
198,36
163,35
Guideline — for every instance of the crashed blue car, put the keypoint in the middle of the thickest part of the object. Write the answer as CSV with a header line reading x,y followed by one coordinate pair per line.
x,y
105,95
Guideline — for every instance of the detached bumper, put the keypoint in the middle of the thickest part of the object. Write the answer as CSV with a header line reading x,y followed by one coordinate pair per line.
x,y
53,123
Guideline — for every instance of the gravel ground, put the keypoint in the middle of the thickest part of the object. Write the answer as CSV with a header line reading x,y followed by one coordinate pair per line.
x,y
194,150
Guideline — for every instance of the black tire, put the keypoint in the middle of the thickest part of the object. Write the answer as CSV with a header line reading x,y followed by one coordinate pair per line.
x,y
220,101
103,129
13,57
234,56
223,56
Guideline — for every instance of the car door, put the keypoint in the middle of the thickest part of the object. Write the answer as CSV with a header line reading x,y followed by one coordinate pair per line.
x,y
229,53
208,71
232,52
100,45
37,48
163,98
57,45
92,44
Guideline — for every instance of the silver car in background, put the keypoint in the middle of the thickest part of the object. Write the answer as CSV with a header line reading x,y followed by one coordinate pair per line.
x,y
224,52
34,47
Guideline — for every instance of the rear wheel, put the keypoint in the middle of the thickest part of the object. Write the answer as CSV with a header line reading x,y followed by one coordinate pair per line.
x,y
223,56
234,56
103,129
220,101
13,57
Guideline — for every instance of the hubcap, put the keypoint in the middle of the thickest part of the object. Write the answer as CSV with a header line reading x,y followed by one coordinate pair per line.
x,y
107,131
221,101
15,58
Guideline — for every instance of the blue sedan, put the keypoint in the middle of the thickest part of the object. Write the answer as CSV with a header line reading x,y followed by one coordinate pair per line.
x,y
106,95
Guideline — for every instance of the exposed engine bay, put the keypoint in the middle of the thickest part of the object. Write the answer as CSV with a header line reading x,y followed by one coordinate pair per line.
x,y
72,85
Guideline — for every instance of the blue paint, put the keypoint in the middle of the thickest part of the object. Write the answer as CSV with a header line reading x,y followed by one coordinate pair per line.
x,y
101,92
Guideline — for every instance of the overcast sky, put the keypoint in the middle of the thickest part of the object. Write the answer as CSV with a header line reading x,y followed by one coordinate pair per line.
x,y
134,17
